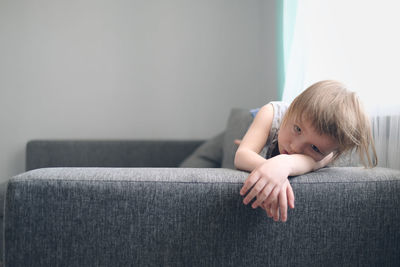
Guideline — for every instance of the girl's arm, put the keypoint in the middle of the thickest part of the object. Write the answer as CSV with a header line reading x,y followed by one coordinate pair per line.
x,y
269,177
269,184
247,157
300,164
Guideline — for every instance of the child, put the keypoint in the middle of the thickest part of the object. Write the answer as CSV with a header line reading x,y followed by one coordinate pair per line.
x,y
322,123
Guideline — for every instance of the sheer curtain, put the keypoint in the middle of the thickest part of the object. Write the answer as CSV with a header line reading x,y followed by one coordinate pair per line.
x,y
356,42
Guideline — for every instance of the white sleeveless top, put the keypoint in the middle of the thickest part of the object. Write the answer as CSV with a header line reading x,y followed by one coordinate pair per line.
x,y
280,109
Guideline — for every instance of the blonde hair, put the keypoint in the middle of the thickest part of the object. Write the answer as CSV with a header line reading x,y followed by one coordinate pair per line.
x,y
337,112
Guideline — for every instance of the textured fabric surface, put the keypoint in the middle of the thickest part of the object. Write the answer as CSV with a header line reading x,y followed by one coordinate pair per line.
x,y
102,153
195,217
238,122
3,187
208,155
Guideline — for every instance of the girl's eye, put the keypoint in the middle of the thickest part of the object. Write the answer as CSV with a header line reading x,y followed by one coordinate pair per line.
x,y
296,129
315,149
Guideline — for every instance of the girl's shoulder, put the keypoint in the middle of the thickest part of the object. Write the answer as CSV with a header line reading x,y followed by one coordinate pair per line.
x,y
277,107
280,108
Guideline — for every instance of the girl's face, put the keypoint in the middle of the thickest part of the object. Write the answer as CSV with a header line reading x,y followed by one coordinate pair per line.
x,y
299,137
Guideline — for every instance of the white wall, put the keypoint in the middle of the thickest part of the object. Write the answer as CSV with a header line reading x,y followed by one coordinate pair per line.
x,y
96,69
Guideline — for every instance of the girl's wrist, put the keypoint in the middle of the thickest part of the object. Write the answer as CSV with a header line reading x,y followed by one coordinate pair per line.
x,y
285,163
298,164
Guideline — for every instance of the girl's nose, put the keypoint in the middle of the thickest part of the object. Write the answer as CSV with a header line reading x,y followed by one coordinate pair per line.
x,y
295,148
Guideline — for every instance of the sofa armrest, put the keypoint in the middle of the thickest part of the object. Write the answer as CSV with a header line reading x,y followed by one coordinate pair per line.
x,y
102,153
195,217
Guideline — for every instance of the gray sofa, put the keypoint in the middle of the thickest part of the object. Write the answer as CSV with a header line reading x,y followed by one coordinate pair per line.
x,y
177,203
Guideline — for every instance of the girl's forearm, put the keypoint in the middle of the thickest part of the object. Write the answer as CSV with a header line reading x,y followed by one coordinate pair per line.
x,y
248,160
301,164
297,164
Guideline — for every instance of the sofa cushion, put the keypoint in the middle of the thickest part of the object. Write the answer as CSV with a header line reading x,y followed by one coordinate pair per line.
x,y
238,123
207,155
108,153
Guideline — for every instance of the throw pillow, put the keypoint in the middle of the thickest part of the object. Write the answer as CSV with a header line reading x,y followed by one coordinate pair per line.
x,y
207,155
238,123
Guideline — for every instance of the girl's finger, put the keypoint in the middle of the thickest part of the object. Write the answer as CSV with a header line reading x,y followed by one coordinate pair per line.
x,y
237,141
268,210
273,195
263,195
257,188
250,181
275,210
283,204
290,195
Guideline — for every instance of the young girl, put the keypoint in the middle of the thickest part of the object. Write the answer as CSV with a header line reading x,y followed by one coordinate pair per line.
x,y
322,123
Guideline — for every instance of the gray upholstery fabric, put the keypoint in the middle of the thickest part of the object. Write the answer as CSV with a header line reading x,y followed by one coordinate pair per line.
x,y
195,217
238,123
102,153
3,187
207,155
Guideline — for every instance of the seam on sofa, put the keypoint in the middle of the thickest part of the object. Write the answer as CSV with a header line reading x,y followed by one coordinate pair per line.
x,y
191,182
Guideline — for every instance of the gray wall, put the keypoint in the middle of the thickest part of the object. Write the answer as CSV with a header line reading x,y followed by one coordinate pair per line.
x,y
96,69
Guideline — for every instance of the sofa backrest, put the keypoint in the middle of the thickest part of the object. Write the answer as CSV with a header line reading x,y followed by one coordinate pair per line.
x,y
102,153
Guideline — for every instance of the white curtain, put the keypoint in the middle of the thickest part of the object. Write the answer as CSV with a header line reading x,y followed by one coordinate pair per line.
x,y
358,43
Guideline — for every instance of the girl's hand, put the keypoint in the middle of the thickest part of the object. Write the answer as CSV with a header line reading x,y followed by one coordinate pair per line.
x,y
267,181
237,141
322,163
286,196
